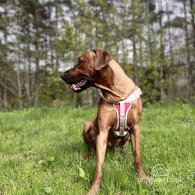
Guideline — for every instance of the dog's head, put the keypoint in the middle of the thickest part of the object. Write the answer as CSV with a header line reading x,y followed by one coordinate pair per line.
x,y
82,75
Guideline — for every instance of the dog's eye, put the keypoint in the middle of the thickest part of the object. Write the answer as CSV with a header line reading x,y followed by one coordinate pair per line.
x,y
80,60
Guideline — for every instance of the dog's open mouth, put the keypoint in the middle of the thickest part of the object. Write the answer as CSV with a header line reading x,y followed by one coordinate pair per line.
x,y
79,85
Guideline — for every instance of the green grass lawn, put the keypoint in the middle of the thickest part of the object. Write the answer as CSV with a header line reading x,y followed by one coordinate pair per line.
x,y
40,151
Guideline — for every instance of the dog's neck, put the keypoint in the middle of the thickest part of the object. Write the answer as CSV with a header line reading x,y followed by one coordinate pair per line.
x,y
119,86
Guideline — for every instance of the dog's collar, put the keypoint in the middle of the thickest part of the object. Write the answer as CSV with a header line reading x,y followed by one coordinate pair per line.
x,y
105,99
135,95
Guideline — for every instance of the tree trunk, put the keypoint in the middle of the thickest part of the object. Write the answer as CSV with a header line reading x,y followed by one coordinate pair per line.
x,y
56,36
192,6
28,84
19,77
162,56
172,75
149,32
135,78
37,54
189,67
5,101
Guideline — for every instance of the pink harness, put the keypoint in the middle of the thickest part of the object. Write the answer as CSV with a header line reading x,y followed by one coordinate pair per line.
x,y
122,109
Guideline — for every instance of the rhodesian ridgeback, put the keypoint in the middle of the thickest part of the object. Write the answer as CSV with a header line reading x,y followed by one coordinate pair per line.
x,y
97,68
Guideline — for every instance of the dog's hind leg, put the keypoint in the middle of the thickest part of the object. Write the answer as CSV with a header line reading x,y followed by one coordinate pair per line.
x,y
89,136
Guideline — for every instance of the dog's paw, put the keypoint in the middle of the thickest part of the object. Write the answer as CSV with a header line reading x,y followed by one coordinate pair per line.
x,y
145,179
86,155
122,152
93,191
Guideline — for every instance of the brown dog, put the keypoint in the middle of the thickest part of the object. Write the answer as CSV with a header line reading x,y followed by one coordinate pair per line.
x,y
98,68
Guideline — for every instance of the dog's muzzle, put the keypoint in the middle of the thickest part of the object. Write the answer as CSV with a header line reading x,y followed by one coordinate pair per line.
x,y
77,84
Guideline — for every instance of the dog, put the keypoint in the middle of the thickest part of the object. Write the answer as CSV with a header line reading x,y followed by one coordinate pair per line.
x,y
115,124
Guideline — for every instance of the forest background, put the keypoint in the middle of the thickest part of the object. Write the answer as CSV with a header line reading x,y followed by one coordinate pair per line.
x,y
153,40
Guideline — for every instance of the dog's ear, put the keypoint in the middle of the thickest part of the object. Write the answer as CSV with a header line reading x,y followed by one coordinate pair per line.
x,y
101,59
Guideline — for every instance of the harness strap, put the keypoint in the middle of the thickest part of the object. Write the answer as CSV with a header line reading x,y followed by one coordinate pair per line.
x,y
122,109
135,95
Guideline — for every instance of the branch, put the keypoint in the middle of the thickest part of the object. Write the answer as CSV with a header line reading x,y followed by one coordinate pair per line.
x,y
2,84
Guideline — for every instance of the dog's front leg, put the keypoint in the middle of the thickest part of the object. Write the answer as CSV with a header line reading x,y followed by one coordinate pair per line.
x,y
101,145
135,144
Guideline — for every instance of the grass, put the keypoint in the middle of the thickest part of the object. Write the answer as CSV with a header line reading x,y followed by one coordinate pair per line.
x,y
41,147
